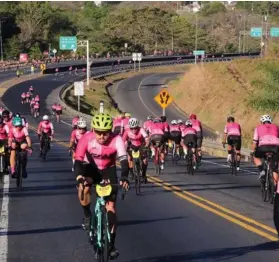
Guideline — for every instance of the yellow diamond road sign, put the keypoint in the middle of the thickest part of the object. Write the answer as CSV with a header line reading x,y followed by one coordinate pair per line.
x,y
163,98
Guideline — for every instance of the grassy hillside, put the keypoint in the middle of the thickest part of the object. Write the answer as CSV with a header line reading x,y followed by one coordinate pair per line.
x,y
245,89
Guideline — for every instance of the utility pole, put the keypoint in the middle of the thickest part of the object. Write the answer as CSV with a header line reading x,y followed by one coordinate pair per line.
x,y
266,33
196,40
1,40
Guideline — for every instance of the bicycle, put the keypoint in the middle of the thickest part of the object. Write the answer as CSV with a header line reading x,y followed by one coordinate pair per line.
x,y
21,160
268,187
175,156
99,233
36,112
190,159
233,159
156,159
45,145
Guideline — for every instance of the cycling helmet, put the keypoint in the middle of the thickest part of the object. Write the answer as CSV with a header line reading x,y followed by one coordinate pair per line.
x,y
188,123
193,116
179,121
266,118
6,113
157,120
45,118
127,114
133,123
230,119
17,121
173,122
149,117
17,114
81,123
1,120
102,122
163,118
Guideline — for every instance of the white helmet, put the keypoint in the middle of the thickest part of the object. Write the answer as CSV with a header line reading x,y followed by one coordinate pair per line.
x,y
81,123
133,122
179,121
173,122
266,118
45,117
188,123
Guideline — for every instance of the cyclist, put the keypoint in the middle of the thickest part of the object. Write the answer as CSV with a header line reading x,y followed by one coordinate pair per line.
x,y
117,124
7,118
1,110
75,122
266,140
101,148
197,125
28,97
156,133
166,132
31,90
37,98
175,134
137,137
189,135
4,134
24,121
58,112
76,135
32,103
45,130
18,137
125,122
147,123
23,98
232,134
53,108
37,108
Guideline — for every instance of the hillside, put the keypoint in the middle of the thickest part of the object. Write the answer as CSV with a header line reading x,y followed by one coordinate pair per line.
x,y
245,89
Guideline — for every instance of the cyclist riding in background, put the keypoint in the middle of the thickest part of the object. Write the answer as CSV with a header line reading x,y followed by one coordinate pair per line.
x,y
76,135
166,132
45,128
1,110
7,118
181,124
4,135
75,122
117,124
18,137
175,134
32,103
99,149
196,124
125,122
147,124
31,90
28,97
37,98
189,135
266,140
232,135
37,107
53,108
58,112
136,138
156,134
23,97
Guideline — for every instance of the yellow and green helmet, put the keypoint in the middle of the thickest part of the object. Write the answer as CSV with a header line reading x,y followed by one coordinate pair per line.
x,y
102,122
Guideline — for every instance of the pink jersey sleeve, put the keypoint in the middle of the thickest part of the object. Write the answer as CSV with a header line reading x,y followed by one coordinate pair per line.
x,y
25,131
82,147
143,133
7,129
51,128
120,147
125,135
256,135
73,135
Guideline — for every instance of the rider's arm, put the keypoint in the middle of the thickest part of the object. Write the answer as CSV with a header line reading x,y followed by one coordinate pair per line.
x,y
52,129
225,134
72,139
28,140
39,128
255,139
123,157
145,136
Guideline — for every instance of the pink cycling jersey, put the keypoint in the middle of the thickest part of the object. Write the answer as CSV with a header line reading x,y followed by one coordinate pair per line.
x,y
58,108
32,103
76,135
23,95
232,129
28,94
37,99
36,105
4,132
103,155
167,127
45,127
53,107
147,124
9,123
157,129
175,128
125,123
136,138
117,122
266,134
196,124
18,135
188,131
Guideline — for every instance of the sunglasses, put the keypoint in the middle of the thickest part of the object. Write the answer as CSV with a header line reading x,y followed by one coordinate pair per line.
x,y
102,133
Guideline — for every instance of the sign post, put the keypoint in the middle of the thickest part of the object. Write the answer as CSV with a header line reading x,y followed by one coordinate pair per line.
x,y
256,32
54,51
197,53
139,56
85,43
79,91
135,57
126,45
164,99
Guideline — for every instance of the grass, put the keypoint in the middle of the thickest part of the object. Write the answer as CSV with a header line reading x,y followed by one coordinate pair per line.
x,y
244,88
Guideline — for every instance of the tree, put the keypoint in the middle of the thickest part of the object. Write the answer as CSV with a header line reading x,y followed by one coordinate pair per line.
x,y
213,8
13,47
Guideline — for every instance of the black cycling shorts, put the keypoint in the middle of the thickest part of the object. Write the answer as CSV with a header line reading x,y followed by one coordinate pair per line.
x,y
59,112
262,150
199,139
236,140
191,138
108,173
166,136
175,136
157,138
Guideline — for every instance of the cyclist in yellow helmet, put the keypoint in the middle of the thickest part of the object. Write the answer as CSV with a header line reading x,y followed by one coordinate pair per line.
x,y
101,148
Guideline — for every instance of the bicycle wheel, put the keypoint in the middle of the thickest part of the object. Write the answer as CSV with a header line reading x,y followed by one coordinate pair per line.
x,y
233,163
45,148
157,161
137,178
104,255
189,162
2,168
265,185
174,159
271,188
19,174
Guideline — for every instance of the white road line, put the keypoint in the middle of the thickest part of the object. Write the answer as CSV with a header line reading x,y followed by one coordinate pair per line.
x,y
4,220
62,121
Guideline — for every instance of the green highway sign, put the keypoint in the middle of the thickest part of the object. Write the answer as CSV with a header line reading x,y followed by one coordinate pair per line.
x,y
198,52
274,31
256,32
68,42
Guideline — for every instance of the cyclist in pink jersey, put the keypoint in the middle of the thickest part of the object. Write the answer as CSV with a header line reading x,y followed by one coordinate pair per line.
x,y
147,124
23,98
189,136
100,150
125,122
76,135
232,135
175,134
4,135
136,138
28,97
266,140
198,126
117,124
45,130
7,118
32,103
53,108
37,98
75,122
18,137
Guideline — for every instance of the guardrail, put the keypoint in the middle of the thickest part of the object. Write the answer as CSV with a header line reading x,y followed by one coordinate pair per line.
x,y
208,145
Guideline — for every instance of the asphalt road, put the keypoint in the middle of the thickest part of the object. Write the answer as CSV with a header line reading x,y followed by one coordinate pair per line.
x,y
169,222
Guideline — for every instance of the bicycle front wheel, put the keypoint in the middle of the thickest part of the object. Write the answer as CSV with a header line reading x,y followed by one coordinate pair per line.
x,y
104,254
137,178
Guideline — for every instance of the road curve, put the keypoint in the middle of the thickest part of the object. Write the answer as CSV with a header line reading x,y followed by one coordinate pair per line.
x,y
43,221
